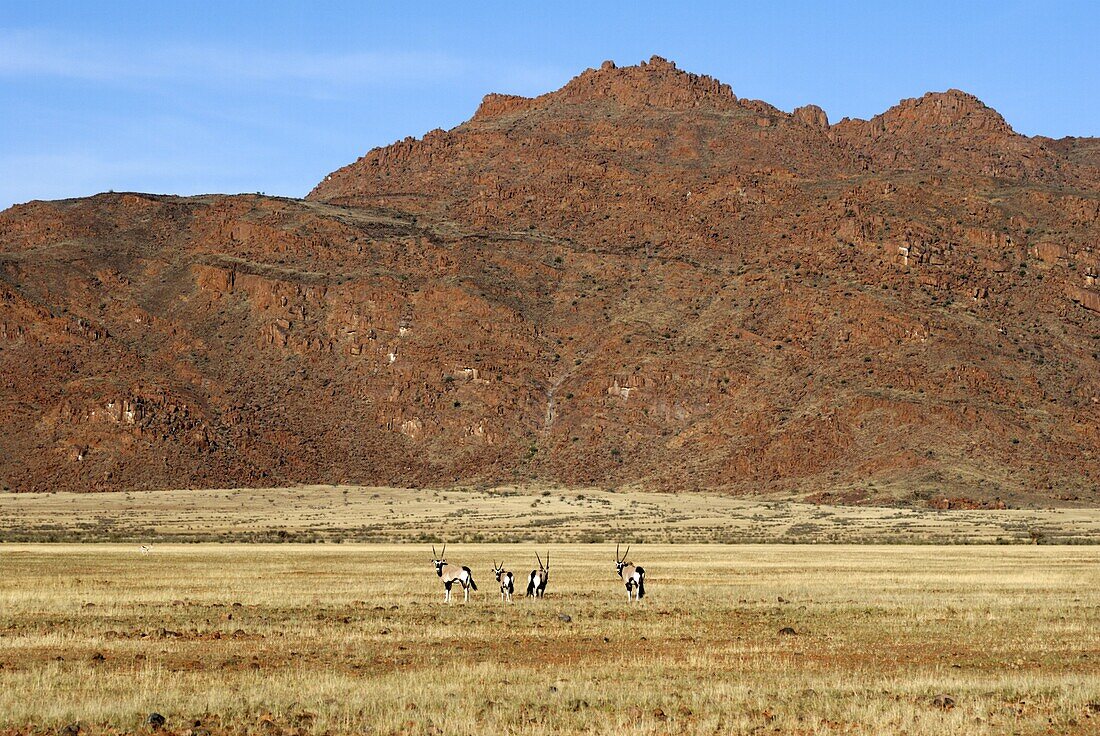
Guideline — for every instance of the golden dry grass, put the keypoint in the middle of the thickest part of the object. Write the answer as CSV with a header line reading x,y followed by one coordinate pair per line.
x,y
282,639
336,513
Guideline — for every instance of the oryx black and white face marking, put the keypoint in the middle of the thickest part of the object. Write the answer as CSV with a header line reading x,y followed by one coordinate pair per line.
x,y
506,580
451,574
633,576
537,580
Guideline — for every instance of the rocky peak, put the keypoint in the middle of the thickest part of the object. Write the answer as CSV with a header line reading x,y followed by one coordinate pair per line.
x,y
953,109
496,105
812,115
656,83
653,84
950,130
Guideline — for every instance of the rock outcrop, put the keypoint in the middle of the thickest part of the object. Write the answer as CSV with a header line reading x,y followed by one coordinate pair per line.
x,y
638,279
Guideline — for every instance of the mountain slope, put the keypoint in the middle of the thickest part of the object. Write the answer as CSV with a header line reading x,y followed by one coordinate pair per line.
x,y
637,279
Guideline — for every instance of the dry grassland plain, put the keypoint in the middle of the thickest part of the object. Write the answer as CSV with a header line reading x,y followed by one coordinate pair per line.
x,y
294,638
508,515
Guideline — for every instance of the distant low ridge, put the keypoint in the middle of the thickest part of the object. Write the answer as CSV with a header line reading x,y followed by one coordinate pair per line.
x,y
638,280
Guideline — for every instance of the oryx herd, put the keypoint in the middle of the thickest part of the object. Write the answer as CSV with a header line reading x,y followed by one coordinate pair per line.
x,y
633,576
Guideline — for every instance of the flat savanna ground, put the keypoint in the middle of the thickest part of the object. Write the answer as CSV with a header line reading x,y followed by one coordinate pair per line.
x,y
294,638
358,514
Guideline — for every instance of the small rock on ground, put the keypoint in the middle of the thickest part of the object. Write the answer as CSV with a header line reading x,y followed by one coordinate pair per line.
x,y
944,701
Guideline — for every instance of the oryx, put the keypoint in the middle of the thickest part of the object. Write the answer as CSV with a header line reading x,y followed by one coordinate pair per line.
x,y
536,581
452,574
507,581
632,575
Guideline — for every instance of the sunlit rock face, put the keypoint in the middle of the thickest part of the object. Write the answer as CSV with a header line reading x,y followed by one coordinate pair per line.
x,y
638,279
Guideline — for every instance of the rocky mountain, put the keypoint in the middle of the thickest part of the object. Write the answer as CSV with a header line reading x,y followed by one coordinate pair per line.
x,y
639,279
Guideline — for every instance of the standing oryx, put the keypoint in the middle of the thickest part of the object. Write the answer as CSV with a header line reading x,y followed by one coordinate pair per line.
x,y
507,581
632,575
536,581
452,574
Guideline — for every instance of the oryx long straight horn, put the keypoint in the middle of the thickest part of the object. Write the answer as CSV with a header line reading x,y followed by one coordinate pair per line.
x,y
633,575
536,581
452,574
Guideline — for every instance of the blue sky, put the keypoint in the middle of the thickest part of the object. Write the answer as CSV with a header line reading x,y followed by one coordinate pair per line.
x,y
270,96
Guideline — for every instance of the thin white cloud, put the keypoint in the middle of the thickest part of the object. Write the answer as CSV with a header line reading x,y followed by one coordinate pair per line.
x,y
27,53
79,174
214,124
